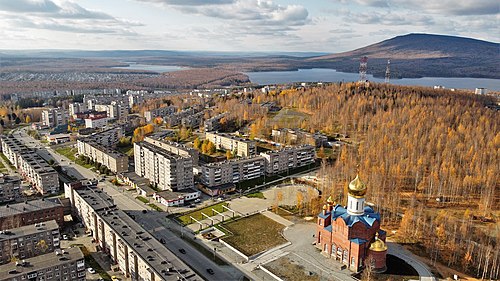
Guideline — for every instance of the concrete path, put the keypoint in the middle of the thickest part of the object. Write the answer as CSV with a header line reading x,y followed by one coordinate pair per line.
x,y
399,251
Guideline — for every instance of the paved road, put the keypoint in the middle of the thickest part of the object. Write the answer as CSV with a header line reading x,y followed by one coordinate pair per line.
x,y
153,222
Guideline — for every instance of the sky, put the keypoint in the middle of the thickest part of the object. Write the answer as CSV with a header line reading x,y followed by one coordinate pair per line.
x,y
237,25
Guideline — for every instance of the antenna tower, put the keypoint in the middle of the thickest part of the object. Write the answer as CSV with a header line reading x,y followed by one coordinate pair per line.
x,y
363,62
388,71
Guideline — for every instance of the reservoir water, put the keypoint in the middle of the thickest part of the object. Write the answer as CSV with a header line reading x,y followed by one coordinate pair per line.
x,y
331,75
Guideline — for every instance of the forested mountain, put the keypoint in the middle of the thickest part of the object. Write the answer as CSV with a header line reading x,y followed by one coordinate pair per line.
x,y
418,55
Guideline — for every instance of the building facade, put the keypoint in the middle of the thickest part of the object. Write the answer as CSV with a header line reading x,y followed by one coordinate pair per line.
x,y
10,188
31,212
137,253
29,241
54,117
116,161
150,115
283,160
30,165
171,199
96,122
242,147
232,171
352,234
76,107
67,265
166,170
173,147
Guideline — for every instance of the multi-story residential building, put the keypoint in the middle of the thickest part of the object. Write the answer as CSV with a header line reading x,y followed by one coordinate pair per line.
x,y
173,147
116,161
108,138
298,136
192,121
175,119
29,241
31,212
280,161
242,147
136,252
54,117
159,112
75,108
166,170
96,122
232,171
10,188
67,265
213,124
31,166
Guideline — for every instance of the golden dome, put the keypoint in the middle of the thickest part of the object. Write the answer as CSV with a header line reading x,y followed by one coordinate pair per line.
x,y
324,207
330,201
357,188
378,245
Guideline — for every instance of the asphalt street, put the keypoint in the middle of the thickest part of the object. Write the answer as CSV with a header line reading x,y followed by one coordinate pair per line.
x,y
154,222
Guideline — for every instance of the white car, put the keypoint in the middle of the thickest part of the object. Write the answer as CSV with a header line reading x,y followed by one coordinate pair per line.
x,y
91,270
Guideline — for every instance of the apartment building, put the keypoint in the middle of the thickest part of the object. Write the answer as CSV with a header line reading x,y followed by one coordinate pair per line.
x,y
31,212
116,161
76,107
232,171
54,117
213,124
192,121
108,138
243,147
166,170
138,254
299,136
29,241
30,165
96,122
150,115
158,139
10,188
67,265
282,160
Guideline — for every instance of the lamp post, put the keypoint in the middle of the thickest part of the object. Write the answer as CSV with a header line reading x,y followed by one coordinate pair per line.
x,y
215,249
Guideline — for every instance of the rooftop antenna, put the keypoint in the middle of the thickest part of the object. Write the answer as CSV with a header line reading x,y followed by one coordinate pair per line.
x,y
363,62
388,72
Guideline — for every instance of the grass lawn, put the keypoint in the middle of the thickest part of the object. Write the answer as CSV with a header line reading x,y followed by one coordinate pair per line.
x,y
154,207
290,270
127,150
255,234
142,199
2,166
70,153
7,161
185,219
256,195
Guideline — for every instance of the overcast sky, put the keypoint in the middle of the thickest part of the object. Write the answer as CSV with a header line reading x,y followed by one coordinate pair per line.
x,y
236,25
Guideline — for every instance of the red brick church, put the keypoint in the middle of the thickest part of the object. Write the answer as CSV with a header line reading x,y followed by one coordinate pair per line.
x,y
351,234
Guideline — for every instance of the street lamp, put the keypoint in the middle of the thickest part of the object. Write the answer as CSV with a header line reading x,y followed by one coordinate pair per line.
x,y
215,249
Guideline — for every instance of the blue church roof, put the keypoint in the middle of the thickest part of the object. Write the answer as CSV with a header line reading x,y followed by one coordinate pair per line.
x,y
324,216
358,241
368,218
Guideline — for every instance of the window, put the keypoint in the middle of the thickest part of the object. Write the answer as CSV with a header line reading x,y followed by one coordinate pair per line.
x,y
346,255
353,261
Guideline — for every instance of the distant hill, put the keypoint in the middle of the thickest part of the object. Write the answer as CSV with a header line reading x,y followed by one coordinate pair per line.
x,y
418,55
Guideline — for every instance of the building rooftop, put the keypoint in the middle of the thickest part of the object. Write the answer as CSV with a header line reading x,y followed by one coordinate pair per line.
x,y
235,161
156,255
231,137
161,151
167,194
11,270
104,149
28,206
28,229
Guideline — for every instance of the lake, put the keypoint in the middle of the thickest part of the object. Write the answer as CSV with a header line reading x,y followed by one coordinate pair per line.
x,y
330,75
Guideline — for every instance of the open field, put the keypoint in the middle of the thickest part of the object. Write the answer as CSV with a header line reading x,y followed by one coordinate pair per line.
x,y
185,219
70,153
290,270
289,118
255,234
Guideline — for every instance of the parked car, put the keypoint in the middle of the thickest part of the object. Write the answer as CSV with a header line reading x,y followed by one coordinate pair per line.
x,y
91,270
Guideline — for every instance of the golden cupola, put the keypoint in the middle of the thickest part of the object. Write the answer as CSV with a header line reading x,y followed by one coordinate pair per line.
x,y
357,188
330,201
378,245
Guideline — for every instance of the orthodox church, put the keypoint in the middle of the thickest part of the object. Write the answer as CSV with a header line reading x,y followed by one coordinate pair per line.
x,y
351,234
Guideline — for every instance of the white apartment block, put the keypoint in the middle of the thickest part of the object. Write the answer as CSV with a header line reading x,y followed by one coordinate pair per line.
x,y
54,117
213,124
29,241
30,165
167,170
76,107
173,147
232,171
280,161
243,147
159,112
138,254
109,137
116,162
96,122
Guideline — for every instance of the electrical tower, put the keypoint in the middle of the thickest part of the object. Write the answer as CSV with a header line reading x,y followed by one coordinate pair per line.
x,y
388,72
363,62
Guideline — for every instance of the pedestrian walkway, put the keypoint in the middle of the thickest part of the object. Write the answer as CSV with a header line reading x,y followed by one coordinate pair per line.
x,y
399,251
